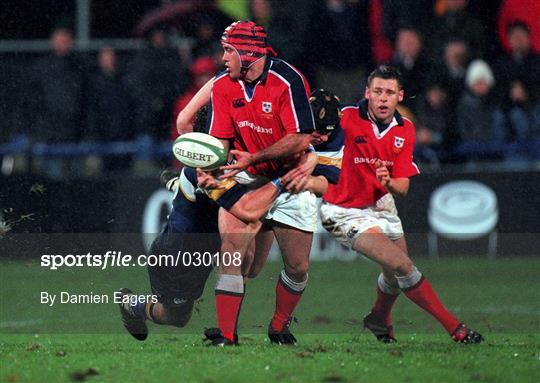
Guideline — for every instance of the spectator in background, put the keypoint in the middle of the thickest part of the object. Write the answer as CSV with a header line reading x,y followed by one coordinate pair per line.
x,y
522,117
154,78
433,122
260,12
202,70
109,107
450,73
413,65
479,118
57,84
523,11
520,64
457,23
288,28
339,45
398,14
205,36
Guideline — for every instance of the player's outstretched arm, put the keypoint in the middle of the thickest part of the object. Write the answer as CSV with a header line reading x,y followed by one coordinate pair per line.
x,y
184,121
252,206
286,146
289,145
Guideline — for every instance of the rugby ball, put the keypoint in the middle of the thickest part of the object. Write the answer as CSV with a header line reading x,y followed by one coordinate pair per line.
x,y
199,150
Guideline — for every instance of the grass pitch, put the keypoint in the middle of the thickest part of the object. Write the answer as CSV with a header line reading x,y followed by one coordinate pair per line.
x,y
67,342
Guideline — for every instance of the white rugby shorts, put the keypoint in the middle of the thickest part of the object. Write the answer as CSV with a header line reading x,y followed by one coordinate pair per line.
x,y
296,210
346,224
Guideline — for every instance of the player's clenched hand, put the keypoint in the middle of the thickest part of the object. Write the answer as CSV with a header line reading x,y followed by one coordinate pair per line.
x,y
205,180
243,160
382,173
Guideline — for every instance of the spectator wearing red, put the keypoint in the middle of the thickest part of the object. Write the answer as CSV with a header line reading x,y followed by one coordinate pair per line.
x,y
381,45
202,70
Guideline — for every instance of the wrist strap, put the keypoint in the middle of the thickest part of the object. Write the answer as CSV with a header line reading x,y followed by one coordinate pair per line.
x,y
277,183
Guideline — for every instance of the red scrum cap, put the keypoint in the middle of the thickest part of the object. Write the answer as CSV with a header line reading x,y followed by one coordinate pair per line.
x,y
249,40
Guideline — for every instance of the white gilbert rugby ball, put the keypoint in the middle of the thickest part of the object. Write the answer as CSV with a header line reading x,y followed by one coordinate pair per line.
x,y
199,150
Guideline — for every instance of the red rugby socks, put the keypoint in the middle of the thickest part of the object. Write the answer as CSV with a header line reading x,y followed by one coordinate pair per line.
x,y
386,297
424,296
288,294
229,295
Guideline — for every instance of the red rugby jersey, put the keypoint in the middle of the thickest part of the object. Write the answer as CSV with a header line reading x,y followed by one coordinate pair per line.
x,y
279,105
358,186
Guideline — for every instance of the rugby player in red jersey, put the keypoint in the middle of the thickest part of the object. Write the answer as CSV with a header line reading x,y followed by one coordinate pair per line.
x,y
359,210
260,106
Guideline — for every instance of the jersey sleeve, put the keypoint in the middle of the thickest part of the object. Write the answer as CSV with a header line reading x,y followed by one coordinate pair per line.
x,y
219,122
404,166
330,158
331,173
228,194
295,113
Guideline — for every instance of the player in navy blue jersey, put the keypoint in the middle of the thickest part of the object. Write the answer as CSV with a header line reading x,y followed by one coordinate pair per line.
x,y
192,228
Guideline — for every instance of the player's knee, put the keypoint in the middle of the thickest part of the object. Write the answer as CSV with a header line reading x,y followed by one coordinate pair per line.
x,y
230,242
298,272
403,267
233,244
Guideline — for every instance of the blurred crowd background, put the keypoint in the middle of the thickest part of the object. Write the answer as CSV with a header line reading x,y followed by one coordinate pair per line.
x,y
101,98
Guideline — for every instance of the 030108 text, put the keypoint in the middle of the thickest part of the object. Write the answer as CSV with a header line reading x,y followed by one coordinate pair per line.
x,y
118,259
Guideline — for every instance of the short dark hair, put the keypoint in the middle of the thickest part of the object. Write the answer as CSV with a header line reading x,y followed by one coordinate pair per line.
x,y
517,24
386,72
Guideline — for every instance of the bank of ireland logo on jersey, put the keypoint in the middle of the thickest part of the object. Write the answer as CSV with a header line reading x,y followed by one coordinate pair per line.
x,y
398,144
267,107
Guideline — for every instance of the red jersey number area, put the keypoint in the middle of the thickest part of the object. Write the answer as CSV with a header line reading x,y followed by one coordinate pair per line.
x,y
279,105
358,186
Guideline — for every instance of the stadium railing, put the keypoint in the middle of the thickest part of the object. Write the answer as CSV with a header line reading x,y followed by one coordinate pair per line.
x,y
144,147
